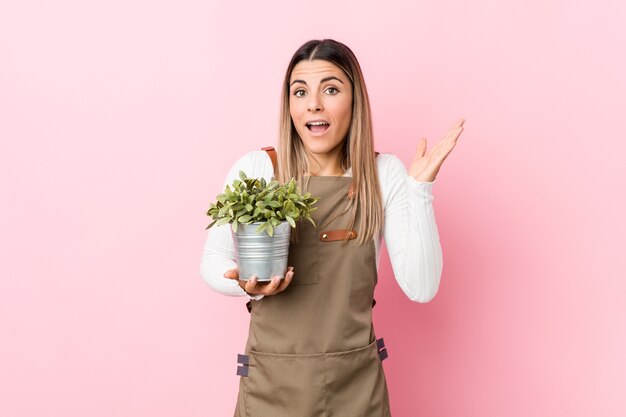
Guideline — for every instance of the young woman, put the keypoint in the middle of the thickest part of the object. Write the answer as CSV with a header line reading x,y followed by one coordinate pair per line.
x,y
312,349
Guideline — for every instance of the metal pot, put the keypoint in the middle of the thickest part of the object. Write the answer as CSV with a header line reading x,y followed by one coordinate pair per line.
x,y
260,254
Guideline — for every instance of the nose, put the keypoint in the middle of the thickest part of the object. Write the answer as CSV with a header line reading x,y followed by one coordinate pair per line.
x,y
315,103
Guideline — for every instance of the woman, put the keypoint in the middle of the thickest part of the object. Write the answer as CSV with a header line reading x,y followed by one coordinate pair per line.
x,y
312,349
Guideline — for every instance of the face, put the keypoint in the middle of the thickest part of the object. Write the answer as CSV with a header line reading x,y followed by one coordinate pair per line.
x,y
320,104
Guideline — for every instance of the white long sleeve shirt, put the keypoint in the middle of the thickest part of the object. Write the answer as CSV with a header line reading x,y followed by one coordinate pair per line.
x,y
410,230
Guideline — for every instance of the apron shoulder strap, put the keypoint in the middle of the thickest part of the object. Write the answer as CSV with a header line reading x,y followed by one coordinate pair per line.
x,y
273,156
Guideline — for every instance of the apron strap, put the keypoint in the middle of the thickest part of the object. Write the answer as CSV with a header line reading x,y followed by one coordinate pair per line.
x,y
333,235
245,361
273,156
382,352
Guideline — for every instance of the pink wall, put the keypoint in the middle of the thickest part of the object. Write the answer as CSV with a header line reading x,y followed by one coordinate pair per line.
x,y
117,125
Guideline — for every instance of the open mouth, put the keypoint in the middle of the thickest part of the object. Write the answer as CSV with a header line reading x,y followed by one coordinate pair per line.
x,y
318,127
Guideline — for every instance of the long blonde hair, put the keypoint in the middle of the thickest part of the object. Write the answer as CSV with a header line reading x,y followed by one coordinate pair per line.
x,y
357,151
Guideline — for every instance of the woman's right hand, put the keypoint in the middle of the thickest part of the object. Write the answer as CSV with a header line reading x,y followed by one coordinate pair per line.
x,y
252,286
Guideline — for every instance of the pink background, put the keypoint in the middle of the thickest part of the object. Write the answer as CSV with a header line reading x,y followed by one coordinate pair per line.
x,y
119,119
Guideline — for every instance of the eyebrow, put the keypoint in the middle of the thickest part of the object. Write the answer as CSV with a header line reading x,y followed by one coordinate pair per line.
x,y
332,77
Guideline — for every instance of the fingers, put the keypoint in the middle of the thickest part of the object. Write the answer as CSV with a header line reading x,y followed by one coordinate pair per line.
x,y
445,146
450,138
442,149
456,130
232,273
457,133
270,289
285,282
250,286
426,163
421,148
453,134
276,285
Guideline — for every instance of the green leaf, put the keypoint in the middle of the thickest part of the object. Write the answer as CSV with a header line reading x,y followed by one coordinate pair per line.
x,y
234,225
261,228
211,224
291,221
222,221
245,218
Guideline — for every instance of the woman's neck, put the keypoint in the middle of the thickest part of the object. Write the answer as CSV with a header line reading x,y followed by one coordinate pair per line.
x,y
326,165
327,171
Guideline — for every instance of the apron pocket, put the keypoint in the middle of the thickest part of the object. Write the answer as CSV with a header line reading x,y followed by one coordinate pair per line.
x,y
356,383
339,384
284,385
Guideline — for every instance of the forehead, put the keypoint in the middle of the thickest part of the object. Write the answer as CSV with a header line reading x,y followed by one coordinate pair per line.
x,y
316,69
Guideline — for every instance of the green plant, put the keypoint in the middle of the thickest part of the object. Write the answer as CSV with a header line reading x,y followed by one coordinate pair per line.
x,y
253,200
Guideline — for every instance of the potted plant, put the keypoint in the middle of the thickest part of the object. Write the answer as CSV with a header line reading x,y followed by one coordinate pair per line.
x,y
261,216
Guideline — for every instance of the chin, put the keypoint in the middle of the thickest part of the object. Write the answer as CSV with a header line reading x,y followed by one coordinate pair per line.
x,y
321,147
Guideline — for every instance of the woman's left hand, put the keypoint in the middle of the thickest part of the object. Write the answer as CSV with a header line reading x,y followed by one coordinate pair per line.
x,y
425,165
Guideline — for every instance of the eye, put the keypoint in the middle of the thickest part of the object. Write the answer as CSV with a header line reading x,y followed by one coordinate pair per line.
x,y
297,93
334,89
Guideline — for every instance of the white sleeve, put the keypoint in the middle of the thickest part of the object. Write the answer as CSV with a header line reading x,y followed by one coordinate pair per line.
x,y
410,230
219,251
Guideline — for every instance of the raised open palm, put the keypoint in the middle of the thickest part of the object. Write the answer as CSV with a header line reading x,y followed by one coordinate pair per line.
x,y
426,164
